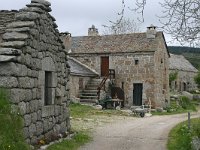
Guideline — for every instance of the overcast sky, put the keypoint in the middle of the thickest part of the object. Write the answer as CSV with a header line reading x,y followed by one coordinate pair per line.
x,y
76,16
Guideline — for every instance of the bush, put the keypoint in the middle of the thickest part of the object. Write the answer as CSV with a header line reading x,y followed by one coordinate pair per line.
x,y
186,104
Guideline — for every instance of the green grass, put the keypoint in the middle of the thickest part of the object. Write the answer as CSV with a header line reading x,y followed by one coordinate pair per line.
x,y
83,111
180,136
73,144
11,134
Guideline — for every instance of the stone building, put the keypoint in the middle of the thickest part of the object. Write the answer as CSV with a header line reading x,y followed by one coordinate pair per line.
x,y
34,70
139,60
185,73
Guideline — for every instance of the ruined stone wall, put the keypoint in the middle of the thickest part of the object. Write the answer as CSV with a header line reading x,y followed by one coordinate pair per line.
x,y
30,51
184,77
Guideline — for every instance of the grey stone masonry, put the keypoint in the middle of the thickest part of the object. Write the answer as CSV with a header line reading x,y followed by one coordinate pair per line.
x,y
34,70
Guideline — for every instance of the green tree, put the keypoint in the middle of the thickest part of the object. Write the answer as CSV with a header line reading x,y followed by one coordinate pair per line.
x,y
197,79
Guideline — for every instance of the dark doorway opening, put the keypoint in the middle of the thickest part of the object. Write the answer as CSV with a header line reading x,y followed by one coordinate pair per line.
x,y
137,94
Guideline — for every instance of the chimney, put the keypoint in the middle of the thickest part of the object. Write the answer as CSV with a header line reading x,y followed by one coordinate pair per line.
x,y
66,39
151,32
93,31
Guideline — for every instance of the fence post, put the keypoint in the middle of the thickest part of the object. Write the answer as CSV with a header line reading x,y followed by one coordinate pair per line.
x,y
189,120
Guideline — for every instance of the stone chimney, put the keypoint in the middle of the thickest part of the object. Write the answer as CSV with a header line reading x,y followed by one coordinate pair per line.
x,y
93,31
66,39
151,32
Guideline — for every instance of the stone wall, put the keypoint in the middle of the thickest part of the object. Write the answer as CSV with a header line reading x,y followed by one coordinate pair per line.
x,y
184,82
34,69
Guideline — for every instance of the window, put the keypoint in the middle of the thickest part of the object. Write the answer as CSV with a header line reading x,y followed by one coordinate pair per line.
x,y
48,88
136,61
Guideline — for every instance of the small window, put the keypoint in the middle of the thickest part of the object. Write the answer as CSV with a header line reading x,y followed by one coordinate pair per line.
x,y
136,61
48,88
161,61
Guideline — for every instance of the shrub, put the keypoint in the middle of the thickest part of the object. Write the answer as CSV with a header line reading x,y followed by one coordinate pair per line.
x,y
186,104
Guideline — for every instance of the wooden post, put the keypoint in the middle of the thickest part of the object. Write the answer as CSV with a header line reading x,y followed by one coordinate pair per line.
x,y
189,120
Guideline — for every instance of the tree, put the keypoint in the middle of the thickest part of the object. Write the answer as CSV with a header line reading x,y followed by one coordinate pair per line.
x,y
172,77
180,18
197,79
123,27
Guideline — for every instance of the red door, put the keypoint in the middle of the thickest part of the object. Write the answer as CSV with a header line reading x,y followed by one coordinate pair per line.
x,y
104,66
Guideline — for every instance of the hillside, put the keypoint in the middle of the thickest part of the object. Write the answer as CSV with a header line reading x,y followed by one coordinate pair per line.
x,y
190,53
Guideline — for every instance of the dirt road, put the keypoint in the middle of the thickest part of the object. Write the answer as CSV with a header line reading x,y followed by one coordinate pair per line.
x,y
129,133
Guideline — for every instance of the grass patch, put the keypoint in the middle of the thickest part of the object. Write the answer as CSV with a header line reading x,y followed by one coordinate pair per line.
x,y
11,124
83,111
73,144
180,136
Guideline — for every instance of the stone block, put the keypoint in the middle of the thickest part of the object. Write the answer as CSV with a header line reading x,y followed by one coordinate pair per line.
x,y
39,128
27,16
13,44
32,130
22,108
26,82
27,120
10,51
33,105
57,110
11,36
26,132
8,82
18,95
34,117
19,24
6,58
48,111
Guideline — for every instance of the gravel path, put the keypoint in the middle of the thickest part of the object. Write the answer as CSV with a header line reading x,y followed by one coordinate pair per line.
x,y
129,133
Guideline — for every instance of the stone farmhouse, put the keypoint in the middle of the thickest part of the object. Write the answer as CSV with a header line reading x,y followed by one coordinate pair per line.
x,y
185,73
138,62
34,70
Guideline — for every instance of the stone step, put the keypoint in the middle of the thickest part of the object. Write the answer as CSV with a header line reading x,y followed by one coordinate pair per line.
x,y
88,94
91,88
89,91
88,97
88,100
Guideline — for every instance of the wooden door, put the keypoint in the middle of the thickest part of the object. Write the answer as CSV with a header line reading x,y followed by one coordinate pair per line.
x,y
104,66
137,94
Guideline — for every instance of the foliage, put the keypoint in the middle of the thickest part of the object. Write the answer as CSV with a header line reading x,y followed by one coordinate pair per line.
x,y
173,76
186,104
197,79
183,49
180,136
11,135
72,144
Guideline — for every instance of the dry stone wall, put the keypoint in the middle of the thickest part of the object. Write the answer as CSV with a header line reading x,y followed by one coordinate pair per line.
x,y
30,51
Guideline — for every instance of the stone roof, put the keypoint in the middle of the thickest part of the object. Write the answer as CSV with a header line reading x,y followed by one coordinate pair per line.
x,y
178,62
80,69
135,42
